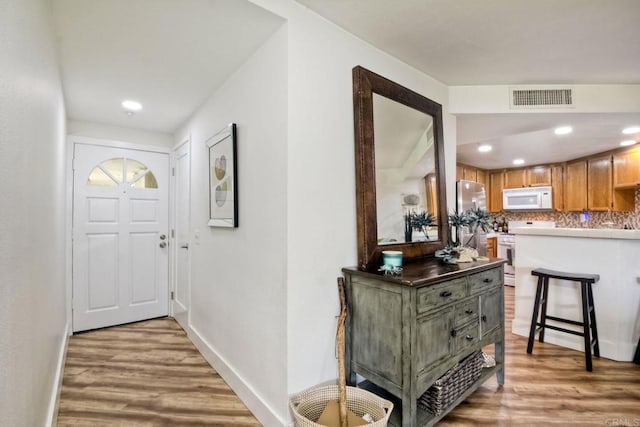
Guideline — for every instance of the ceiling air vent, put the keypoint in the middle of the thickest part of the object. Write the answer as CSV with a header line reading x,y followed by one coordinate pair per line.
x,y
541,98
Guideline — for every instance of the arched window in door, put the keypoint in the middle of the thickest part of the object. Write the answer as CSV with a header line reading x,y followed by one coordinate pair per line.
x,y
122,171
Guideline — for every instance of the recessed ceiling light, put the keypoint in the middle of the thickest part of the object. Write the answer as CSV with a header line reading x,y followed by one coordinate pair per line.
x,y
518,162
131,105
484,148
627,142
563,130
631,130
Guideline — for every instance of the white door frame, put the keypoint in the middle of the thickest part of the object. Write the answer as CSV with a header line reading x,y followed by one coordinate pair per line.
x,y
174,246
71,140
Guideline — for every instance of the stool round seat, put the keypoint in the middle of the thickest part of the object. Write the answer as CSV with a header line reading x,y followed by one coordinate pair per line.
x,y
589,326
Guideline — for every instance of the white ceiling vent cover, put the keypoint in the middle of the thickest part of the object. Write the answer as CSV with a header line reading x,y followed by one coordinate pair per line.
x,y
528,98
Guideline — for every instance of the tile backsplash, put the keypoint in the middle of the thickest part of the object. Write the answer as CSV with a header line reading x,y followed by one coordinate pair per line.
x,y
573,219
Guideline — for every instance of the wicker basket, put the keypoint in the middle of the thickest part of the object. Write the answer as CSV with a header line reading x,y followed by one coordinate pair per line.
x,y
451,385
308,405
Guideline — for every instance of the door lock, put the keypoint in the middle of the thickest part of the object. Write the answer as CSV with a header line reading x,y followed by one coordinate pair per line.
x,y
163,236
163,244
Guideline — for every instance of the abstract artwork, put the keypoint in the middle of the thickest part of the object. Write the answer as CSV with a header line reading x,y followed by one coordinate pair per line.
x,y
223,178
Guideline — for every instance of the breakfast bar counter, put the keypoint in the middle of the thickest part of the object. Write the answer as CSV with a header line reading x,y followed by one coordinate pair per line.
x,y
614,254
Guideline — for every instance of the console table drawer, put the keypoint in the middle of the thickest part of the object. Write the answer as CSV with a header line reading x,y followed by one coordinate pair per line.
x,y
467,336
431,297
466,311
484,280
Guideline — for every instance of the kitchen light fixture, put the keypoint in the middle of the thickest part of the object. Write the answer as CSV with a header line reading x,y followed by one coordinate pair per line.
x,y
627,142
563,130
518,162
131,106
484,148
631,130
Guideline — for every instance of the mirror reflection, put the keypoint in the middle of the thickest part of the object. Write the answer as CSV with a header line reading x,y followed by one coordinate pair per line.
x,y
405,173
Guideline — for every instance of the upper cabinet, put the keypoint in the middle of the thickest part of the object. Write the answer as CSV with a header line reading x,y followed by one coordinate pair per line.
x,y
599,183
557,182
467,173
539,176
496,185
515,178
575,188
626,168
536,176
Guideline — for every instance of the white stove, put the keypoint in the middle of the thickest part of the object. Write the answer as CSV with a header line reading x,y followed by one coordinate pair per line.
x,y
507,246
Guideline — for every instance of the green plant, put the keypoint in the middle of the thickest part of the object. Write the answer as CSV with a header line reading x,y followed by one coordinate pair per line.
x,y
422,221
474,219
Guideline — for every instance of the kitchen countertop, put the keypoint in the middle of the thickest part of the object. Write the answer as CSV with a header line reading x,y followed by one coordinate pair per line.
x,y
596,233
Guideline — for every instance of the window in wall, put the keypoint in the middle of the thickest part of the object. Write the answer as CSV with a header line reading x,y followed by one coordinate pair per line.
x,y
113,172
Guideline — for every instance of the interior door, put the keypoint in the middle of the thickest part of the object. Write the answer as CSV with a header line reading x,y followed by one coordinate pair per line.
x,y
180,302
120,228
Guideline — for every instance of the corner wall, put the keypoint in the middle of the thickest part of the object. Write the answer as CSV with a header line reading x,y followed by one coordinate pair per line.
x,y
33,321
238,307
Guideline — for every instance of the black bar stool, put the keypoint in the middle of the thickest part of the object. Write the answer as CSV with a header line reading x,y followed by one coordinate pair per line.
x,y
590,329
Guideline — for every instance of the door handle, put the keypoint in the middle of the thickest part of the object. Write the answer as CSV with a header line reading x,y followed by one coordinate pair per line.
x,y
163,244
163,236
185,246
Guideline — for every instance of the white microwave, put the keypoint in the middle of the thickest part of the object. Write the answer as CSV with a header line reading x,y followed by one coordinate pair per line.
x,y
527,198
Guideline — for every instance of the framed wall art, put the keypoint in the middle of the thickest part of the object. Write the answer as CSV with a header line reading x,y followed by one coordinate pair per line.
x,y
223,178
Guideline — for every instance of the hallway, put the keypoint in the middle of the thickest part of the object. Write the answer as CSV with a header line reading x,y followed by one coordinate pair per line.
x,y
144,374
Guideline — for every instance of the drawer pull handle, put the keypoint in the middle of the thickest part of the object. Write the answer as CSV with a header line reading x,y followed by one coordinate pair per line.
x,y
445,294
487,280
453,333
469,338
468,311
484,318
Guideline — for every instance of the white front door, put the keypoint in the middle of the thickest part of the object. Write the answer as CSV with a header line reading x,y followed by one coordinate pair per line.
x,y
120,229
180,303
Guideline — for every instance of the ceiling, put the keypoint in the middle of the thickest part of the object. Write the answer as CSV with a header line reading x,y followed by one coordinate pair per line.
x,y
471,42
170,55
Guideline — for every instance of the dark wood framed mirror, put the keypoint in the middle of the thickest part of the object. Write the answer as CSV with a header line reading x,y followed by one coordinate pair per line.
x,y
400,176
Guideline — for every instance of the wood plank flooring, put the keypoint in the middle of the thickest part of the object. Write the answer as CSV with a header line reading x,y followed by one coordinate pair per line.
x,y
149,374
144,374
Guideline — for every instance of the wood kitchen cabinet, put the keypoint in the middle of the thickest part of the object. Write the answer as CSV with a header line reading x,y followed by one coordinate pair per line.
x,y
481,177
492,247
535,176
539,176
405,332
575,186
557,184
466,172
626,168
496,185
599,183
515,178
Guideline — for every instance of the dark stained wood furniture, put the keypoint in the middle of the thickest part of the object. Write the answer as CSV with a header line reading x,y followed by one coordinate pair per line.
x,y
404,332
590,328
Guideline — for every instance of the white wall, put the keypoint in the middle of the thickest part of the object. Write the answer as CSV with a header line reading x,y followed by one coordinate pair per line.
x,y
321,179
118,133
238,278
33,319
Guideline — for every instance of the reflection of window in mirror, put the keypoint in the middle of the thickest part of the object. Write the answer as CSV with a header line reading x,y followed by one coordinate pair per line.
x,y
404,155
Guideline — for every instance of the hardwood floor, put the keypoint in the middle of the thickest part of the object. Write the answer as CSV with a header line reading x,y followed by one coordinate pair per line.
x,y
551,386
149,373
144,374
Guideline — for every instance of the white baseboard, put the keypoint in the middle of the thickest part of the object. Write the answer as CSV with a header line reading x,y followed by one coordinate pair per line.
x,y
52,411
262,411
